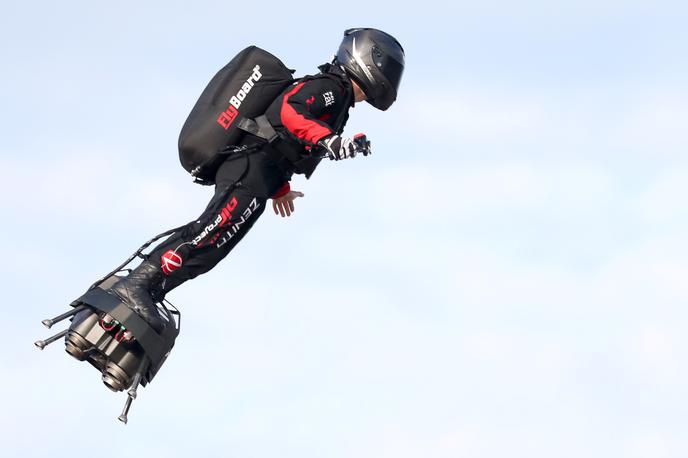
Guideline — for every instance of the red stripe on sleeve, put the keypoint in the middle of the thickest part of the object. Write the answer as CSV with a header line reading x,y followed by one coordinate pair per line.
x,y
302,127
283,191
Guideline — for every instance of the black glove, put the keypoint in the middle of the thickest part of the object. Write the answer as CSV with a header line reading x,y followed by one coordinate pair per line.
x,y
338,148
362,144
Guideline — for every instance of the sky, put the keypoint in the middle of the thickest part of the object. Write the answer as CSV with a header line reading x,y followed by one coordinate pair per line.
x,y
504,276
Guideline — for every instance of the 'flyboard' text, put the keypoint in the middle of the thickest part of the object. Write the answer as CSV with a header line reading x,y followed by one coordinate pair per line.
x,y
228,116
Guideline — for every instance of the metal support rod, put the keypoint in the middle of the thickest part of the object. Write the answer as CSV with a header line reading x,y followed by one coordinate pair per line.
x,y
125,411
131,394
134,386
138,253
57,319
43,343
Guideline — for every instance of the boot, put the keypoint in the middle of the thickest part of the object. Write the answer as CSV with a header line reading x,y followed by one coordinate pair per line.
x,y
137,290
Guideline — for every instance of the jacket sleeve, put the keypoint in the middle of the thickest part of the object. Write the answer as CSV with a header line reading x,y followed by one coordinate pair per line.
x,y
304,109
282,191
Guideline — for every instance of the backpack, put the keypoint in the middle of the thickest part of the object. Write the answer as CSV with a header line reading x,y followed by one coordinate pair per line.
x,y
242,89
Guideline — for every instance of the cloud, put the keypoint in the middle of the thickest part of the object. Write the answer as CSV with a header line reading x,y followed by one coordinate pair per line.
x,y
618,121
467,114
654,122
487,188
93,186
663,201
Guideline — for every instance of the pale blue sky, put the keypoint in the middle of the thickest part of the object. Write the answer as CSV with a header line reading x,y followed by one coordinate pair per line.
x,y
505,276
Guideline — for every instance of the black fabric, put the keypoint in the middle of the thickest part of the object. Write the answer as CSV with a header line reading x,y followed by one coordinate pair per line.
x,y
243,185
136,290
323,100
244,88
244,182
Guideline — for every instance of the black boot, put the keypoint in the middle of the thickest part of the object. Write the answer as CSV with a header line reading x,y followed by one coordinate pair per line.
x,y
138,289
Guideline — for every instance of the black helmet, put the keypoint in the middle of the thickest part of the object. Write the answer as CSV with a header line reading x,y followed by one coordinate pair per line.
x,y
375,61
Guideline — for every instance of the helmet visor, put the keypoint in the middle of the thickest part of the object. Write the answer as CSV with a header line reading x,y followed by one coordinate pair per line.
x,y
389,67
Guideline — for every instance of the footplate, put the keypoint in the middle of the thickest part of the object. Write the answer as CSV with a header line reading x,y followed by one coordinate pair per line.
x,y
111,337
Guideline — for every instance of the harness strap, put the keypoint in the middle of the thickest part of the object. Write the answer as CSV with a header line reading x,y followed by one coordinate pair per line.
x,y
260,127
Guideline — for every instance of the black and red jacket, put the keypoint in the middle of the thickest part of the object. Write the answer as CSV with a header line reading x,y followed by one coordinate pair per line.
x,y
309,110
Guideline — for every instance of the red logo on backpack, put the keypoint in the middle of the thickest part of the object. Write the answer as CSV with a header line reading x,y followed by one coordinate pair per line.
x,y
170,262
227,117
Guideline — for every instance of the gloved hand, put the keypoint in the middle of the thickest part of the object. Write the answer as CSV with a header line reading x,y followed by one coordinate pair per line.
x,y
338,148
362,144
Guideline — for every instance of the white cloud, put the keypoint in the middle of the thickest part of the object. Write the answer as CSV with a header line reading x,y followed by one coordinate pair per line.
x,y
658,348
651,273
428,193
665,199
469,113
654,123
96,186
654,444
615,122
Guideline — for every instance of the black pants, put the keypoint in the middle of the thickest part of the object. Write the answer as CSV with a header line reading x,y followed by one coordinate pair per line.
x,y
242,186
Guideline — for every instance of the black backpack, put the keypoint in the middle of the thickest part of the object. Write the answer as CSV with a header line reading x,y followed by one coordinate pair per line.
x,y
242,89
